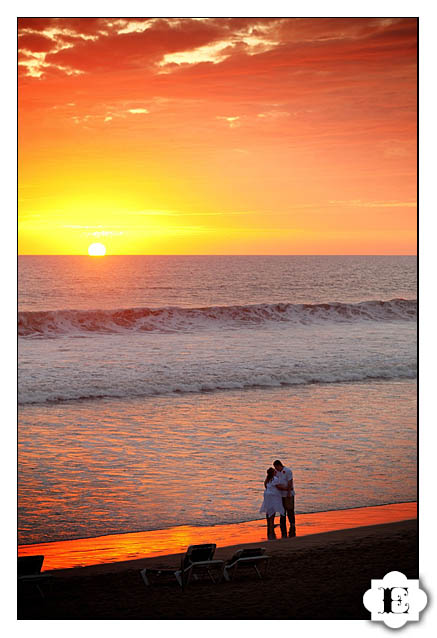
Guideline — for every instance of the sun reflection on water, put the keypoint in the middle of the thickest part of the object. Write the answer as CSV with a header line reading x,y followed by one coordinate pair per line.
x,y
124,547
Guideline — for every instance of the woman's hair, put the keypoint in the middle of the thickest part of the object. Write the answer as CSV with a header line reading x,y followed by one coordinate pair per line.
x,y
270,475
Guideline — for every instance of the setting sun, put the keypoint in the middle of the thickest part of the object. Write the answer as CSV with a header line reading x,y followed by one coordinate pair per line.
x,y
96,250
315,156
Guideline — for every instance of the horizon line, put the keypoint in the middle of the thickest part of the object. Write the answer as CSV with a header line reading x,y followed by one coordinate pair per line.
x,y
221,255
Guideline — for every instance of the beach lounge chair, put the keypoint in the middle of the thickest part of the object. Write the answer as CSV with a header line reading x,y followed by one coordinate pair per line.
x,y
252,557
29,572
197,560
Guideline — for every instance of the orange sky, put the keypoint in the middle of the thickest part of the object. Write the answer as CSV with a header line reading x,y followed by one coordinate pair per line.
x,y
222,136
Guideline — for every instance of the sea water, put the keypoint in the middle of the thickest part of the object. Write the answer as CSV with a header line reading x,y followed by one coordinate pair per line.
x,y
155,391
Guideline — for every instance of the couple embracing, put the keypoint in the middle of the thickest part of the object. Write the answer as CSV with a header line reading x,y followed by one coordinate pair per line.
x,y
279,497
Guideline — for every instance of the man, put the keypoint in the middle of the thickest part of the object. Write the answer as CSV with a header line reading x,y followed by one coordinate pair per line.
x,y
286,487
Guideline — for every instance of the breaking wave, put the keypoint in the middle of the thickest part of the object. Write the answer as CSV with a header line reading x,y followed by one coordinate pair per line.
x,y
173,319
123,389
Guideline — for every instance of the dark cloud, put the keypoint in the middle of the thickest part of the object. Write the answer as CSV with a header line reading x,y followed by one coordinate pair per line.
x,y
362,59
36,43
136,49
99,44
86,26
37,24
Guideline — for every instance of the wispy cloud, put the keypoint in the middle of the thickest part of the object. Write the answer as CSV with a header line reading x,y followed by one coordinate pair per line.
x,y
106,233
358,203
57,39
123,26
36,65
213,53
175,213
250,40
273,115
107,114
233,121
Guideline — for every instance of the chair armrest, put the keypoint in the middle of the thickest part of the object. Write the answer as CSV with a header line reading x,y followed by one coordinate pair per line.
x,y
34,577
205,563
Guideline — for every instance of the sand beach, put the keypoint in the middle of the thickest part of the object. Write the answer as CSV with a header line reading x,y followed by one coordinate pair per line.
x,y
325,575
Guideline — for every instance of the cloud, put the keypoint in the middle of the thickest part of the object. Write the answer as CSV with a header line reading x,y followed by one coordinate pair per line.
x,y
320,82
111,44
35,45
166,43
105,233
106,115
35,42
232,121
214,53
124,25
358,203
175,213
36,65
251,39
273,115
254,48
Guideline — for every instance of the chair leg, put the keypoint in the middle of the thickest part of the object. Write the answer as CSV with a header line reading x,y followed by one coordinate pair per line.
x,y
258,572
183,576
230,573
144,577
189,573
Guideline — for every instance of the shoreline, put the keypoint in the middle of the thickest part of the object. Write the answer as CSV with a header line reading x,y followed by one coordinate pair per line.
x,y
132,546
324,576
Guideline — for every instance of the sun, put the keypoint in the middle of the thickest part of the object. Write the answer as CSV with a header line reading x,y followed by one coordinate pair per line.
x,y
96,250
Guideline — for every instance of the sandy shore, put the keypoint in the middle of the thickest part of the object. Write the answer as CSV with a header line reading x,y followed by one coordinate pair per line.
x,y
323,576
116,548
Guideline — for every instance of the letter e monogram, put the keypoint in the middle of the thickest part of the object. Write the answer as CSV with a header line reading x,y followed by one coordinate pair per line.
x,y
395,600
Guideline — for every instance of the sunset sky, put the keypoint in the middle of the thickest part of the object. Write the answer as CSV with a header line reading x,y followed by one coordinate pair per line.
x,y
217,136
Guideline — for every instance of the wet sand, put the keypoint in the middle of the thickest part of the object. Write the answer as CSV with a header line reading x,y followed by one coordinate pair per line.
x,y
130,546
323,576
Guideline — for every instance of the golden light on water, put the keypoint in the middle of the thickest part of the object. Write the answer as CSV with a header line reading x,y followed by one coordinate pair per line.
x,y
135,545
96,250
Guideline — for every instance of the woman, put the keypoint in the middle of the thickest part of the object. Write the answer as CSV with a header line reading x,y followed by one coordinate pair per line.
x,y
272,502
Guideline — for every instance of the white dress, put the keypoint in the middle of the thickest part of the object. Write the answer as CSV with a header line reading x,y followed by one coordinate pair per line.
x,y
272,502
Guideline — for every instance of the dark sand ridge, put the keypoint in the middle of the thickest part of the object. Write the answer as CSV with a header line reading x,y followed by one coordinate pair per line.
x,y
323,575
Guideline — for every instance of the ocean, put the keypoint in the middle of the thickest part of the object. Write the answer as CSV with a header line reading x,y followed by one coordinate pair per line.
x,y
154,391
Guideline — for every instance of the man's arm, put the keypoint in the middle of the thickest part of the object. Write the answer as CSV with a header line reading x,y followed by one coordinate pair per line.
x,y
286,488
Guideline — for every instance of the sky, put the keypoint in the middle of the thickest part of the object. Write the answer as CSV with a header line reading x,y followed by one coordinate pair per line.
x,y
217,136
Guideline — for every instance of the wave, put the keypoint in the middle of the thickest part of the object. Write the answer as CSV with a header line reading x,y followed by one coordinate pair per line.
x,y
172,319
156,387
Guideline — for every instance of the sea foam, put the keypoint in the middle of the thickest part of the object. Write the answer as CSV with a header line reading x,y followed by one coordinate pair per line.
x,y
173,319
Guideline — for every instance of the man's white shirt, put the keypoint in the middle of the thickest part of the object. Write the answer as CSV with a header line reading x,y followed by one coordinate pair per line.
x,y
285,475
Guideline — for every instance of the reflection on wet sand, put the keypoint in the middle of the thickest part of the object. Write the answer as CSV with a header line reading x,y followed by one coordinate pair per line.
x,y
131,546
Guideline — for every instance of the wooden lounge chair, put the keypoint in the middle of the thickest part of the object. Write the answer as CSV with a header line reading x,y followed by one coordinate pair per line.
x,y
29,572
252,557
198,559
